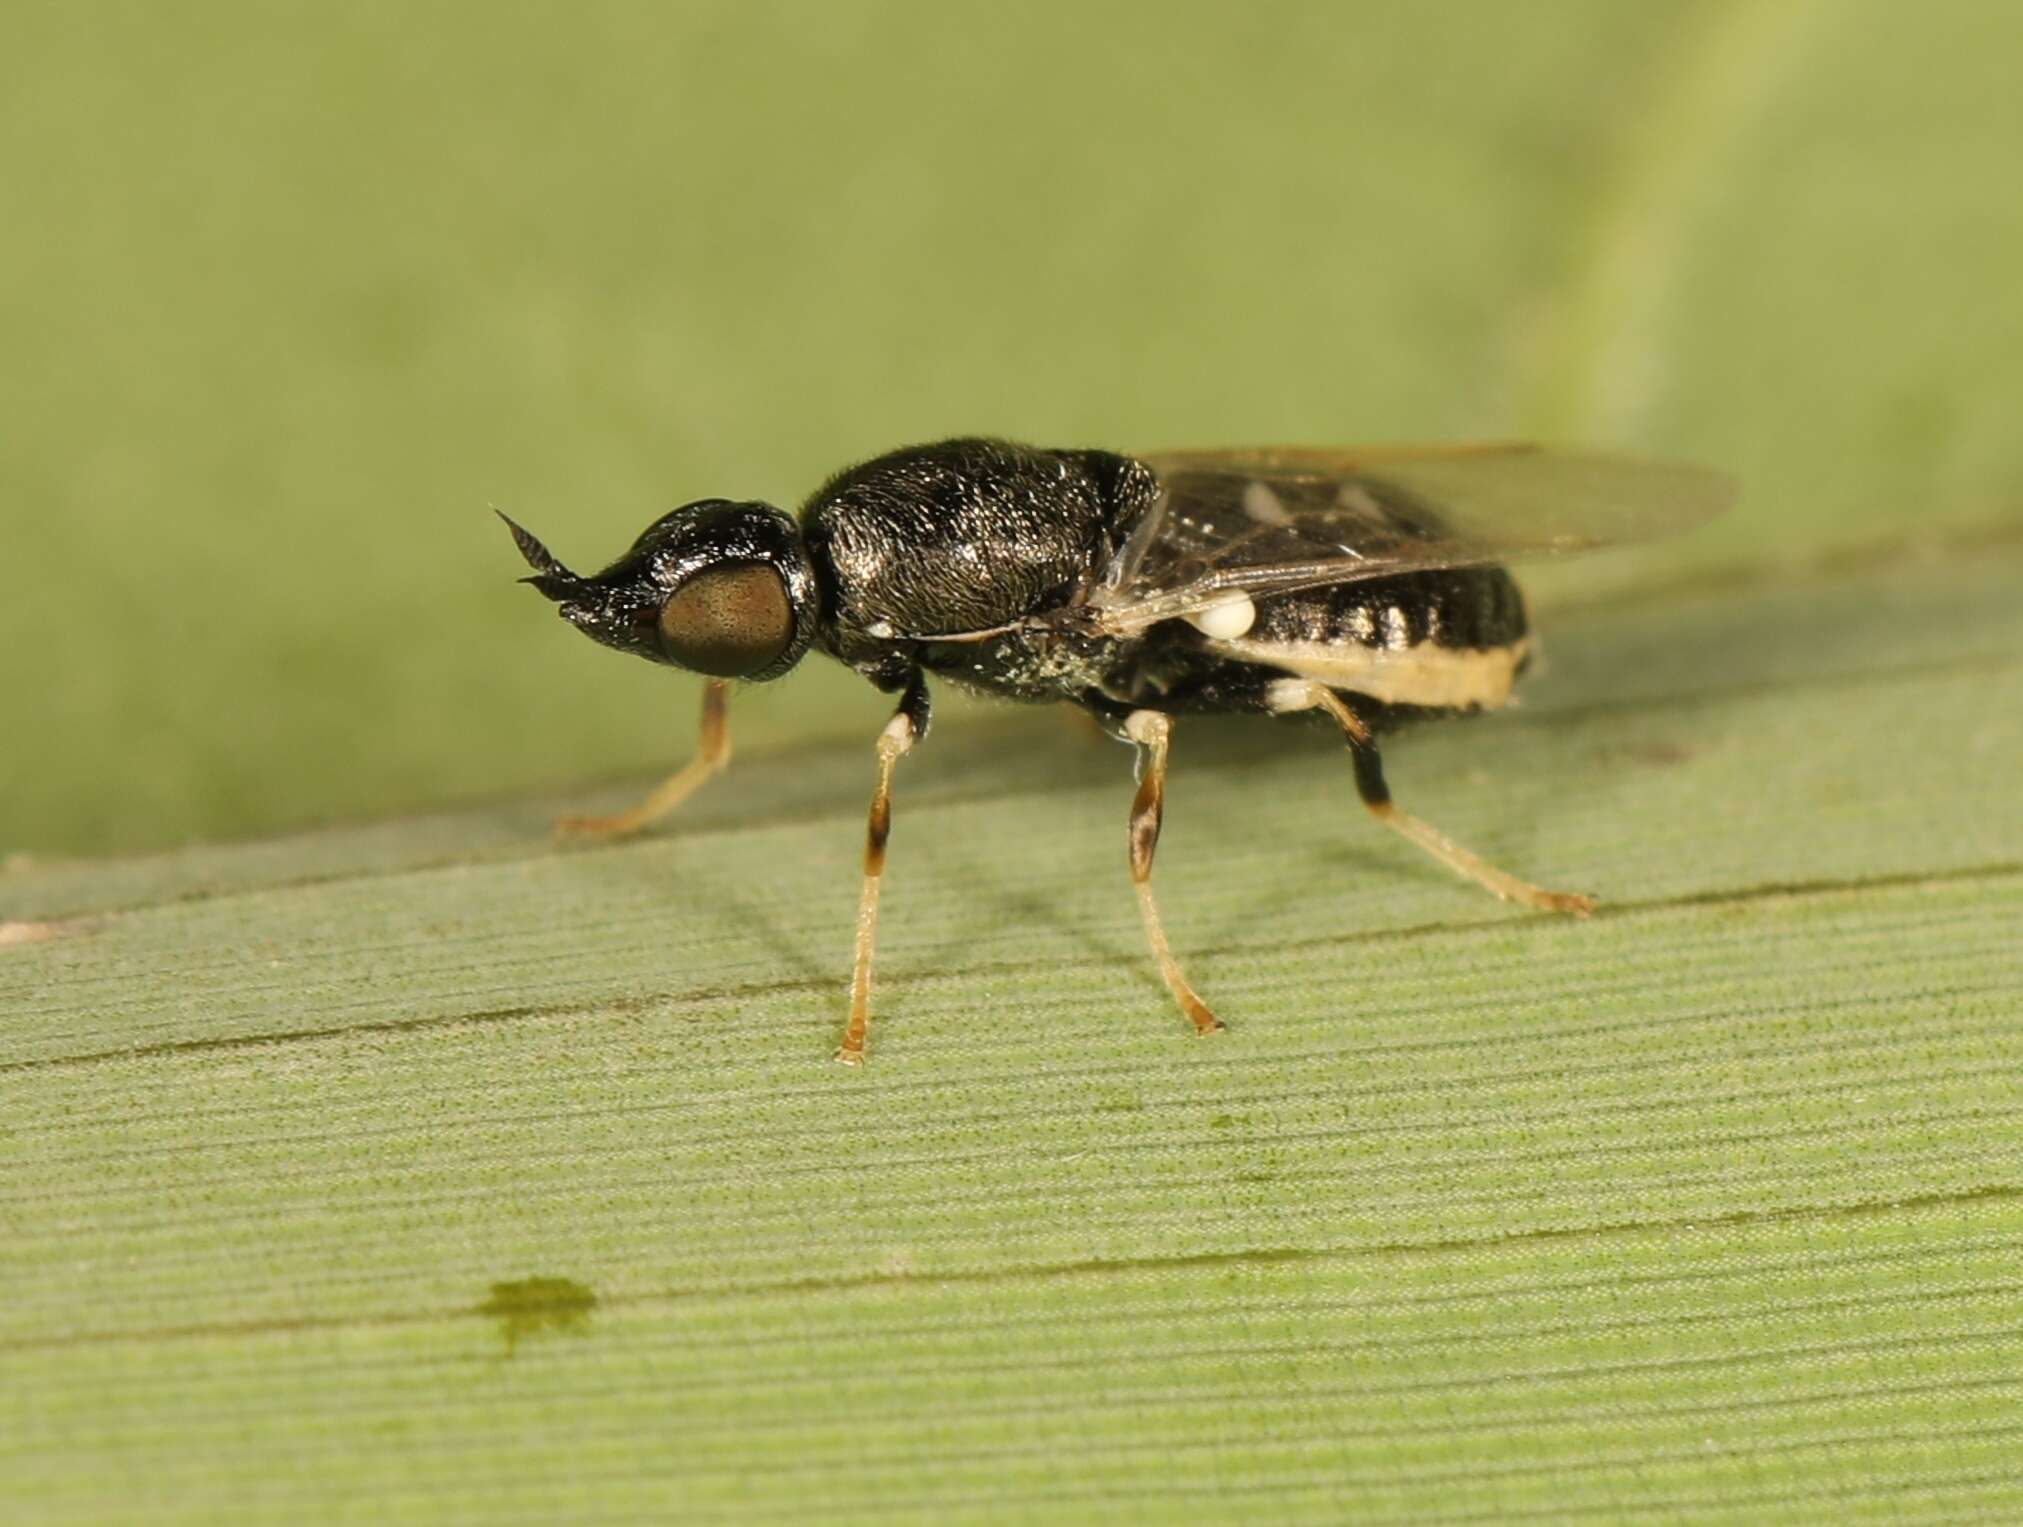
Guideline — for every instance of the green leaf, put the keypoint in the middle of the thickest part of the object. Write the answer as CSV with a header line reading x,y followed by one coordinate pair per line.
x,y
432,1168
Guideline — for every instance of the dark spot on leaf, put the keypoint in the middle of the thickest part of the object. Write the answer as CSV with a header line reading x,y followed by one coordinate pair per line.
x,y
1223,1121
532,1306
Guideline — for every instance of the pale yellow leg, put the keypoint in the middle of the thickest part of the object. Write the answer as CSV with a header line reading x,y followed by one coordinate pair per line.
x,y
712,753
1151,730
1471,867
893,744
1369,781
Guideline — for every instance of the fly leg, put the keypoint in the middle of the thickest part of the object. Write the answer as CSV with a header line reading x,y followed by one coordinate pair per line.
x,y
712,753
1377,796
1150,730
907,726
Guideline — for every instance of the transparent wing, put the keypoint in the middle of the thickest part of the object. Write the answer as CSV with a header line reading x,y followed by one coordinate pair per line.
x,y
1273,520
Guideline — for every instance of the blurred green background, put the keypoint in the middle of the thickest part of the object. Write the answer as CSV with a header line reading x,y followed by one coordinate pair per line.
x,y
289,295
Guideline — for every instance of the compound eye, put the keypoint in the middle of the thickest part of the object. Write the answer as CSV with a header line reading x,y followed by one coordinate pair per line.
x,y
728,621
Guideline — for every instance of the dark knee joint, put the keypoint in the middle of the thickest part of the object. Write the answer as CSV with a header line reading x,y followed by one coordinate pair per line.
x,y
876,834
1146,814
1369,767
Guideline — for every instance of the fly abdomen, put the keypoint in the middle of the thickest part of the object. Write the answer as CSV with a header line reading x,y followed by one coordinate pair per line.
x,y
1461,608
1441,640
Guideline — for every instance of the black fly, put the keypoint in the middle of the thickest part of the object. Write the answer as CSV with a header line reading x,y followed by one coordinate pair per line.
x,y
1362,587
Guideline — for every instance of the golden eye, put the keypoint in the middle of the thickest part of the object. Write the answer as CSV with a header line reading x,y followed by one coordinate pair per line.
x,y
728,621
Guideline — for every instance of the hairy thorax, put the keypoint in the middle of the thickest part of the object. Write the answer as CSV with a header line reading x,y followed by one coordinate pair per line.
x,y
952,539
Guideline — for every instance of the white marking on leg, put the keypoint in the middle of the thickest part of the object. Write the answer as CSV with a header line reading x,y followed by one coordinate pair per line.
x,y
897,736
1285,696
1147,728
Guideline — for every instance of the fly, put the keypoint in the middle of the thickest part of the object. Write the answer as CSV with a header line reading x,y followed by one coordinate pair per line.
x,y
1359,588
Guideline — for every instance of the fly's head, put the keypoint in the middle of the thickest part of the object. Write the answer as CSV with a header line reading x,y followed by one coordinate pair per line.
x,y
715,587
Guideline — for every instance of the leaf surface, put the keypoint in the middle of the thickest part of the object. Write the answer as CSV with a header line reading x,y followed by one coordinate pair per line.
x,y
1711,1204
